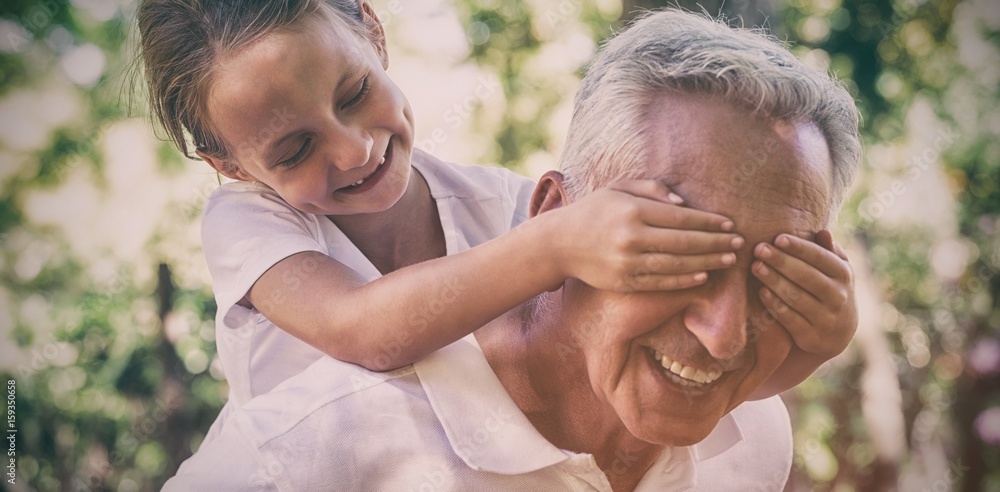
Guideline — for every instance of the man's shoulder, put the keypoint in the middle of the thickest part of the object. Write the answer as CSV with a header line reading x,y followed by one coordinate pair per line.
x,y
328,386
337,426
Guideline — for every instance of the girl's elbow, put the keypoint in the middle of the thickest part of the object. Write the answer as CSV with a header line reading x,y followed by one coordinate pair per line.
x,y
377,359
367,352
382,366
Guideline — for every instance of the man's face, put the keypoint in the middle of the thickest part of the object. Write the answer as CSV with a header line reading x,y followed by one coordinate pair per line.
x,y
769,178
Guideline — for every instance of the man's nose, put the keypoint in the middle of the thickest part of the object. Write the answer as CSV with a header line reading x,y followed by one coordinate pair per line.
x,y
350,148
718,318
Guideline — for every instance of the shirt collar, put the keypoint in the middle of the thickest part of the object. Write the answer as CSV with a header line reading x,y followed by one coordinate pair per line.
x,y
484,426
489,432
725,435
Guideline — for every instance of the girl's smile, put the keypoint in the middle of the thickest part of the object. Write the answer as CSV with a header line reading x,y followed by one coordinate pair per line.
x,y
373,178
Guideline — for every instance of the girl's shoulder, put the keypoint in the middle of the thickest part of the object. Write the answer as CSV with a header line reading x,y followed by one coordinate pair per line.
x,y
231,190
238,197
243,209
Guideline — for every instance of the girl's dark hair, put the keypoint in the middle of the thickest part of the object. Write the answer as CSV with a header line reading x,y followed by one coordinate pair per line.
x,y
183,40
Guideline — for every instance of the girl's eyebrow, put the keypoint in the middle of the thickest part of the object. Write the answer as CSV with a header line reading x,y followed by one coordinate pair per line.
x,y
282,117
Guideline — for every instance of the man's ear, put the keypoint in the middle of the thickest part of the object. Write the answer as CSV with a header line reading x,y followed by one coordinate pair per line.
x,y
549,194
224,167
376,34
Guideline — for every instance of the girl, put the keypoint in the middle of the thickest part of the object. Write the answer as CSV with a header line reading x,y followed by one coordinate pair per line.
x,y
336,236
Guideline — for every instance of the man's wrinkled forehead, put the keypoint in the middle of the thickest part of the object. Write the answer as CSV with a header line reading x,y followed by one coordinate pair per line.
x,y
749,168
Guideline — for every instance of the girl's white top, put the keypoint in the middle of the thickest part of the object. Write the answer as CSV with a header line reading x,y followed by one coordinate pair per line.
x,y
247,228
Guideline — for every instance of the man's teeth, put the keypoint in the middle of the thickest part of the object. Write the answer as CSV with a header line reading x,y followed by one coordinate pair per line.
x,y
692,375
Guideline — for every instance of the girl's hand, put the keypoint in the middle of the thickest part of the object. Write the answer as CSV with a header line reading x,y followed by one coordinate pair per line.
x,y
809,289
635,236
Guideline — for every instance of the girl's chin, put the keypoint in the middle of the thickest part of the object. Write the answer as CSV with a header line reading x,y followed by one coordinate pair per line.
x,y
376,206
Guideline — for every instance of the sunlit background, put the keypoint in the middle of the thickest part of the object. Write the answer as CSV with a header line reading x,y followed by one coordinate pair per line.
x,y
106,311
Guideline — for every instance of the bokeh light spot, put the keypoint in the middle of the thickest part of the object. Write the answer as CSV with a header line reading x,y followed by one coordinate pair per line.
x,y
83,65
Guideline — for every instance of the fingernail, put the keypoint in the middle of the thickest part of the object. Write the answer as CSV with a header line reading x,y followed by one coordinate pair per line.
x,y
700,277
761,269
728,259
675,199
727,225
737,242
764,251
782,241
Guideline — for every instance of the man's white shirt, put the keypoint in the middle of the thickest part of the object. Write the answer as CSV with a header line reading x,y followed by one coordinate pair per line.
x,y
447,423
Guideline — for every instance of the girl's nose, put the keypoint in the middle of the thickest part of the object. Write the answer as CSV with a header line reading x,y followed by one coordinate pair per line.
x,y
351,149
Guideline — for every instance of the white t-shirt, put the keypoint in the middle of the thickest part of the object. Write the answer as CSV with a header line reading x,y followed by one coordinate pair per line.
x,y
247,228
447,423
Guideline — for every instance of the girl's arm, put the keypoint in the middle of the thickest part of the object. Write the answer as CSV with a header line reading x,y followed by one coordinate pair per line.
x,y
630,236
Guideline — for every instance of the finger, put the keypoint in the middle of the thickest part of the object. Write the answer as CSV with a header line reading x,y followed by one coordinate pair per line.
x,y
793,295
670,264
675,217
825,239
816,255
681,241
648,188
799,272
653,282
801,330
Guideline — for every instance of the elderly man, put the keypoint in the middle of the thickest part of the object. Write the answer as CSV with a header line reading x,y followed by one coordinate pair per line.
x,y
584,389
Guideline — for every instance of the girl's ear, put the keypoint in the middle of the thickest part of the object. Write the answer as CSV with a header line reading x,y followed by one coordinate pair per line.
x,y
549,194
376,34
224,168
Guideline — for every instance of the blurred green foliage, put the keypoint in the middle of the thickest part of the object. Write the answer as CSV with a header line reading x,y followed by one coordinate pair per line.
x,y
896,57
115,384
104,401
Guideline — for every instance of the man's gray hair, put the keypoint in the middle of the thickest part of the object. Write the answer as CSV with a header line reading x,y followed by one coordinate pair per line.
x,y
674,51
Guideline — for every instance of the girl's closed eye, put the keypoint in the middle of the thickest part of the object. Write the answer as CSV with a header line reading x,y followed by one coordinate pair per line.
x,y
358,96
301,154
363,89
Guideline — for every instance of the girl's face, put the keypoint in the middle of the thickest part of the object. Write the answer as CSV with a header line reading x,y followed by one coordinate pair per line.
x,y
310,112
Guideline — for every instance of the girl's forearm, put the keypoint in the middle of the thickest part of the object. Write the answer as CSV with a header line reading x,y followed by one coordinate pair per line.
x,y
409,313
416,310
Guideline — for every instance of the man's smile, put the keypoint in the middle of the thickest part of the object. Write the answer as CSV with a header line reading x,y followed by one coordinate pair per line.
x,y
683,374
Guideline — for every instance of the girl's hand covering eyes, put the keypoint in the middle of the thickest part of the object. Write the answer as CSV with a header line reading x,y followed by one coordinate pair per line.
x,y
809,290
636,235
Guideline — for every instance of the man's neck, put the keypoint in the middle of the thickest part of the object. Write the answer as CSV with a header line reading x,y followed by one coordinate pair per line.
x,y
544,371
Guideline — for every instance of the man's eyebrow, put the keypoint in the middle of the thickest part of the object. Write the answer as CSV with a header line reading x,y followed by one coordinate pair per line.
x,y
271,149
